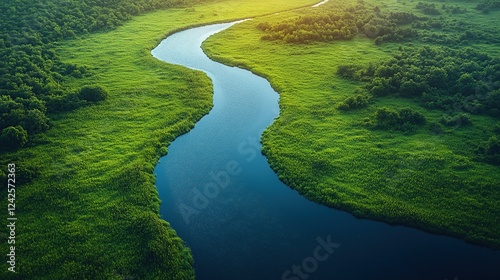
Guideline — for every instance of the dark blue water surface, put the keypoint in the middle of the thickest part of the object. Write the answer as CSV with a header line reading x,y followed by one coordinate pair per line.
x,y
220,195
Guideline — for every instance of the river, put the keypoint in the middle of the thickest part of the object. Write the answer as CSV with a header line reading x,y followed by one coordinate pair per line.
x,y
220,195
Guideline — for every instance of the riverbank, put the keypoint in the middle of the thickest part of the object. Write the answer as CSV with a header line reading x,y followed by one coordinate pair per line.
x,y
421,179
92,210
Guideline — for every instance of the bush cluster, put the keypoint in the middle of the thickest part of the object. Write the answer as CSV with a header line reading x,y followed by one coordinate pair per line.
x,y
354,102
438,77
27,116
405,119
487,6
428,8
489,151
311,28
461,119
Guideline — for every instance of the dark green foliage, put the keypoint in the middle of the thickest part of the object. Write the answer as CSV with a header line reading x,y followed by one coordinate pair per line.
x,y
92,93
496,129
487,6
453,9
312,28
405,119
354,102
342,25
386,118
456,120
349,71
428,8
28,113
35,121
411,116
438,77
67,102
492,103
490,151
13,138
31,73
436,128
392,26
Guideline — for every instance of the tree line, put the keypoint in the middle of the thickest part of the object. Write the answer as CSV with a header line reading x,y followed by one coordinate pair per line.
x,y
437,77
31,73
331,25
382,27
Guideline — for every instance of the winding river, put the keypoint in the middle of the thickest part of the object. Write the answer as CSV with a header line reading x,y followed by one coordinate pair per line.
x,y
220,195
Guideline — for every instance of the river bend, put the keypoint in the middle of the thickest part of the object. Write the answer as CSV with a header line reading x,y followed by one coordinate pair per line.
x,y
220,195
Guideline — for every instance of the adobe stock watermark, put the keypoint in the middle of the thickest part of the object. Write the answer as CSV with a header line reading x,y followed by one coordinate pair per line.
x,y
218,180
310,264
11,219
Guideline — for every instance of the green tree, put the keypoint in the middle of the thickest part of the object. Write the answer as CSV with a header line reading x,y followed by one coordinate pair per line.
x,y
490,151
493,103
411,117
386,118
35,121
13,137
93,93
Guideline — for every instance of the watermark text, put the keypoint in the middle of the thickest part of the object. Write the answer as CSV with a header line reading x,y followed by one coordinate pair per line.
x,y
11,218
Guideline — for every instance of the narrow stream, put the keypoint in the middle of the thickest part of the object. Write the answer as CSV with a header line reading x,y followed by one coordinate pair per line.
x,y
220,195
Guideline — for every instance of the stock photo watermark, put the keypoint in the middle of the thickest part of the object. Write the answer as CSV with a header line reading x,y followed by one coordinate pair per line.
x,y
310,264
11,218
218,181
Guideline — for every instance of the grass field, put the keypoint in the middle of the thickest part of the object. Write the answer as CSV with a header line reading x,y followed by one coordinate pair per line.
x,y
89,209
421,179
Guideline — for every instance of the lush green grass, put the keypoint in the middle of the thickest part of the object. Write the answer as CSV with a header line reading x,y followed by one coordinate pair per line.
x,y
92,210
421,179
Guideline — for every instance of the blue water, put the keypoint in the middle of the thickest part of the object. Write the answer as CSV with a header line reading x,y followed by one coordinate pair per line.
x,y
220,195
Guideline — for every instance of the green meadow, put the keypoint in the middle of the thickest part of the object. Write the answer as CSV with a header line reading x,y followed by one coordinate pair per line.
x,y
87,206
429,177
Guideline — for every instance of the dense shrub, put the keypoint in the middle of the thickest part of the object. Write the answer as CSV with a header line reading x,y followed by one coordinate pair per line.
x,y
492,103
438,77
67,102
490,151
428,8
317,27
386,118
13,138
454,9
436,128
92,93
354,102
349,71
487,6
405,119
411,116
456,120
